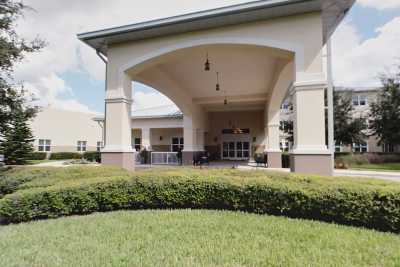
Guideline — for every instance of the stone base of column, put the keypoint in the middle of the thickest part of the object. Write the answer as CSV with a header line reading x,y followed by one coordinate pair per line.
x,y
188,157
274,160
125,160
318,164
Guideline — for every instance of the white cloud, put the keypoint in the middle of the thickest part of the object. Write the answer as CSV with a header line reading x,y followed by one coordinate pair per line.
x,y
380,4
59,21
359,63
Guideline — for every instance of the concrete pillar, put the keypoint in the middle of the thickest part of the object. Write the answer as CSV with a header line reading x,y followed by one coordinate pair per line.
x,y
273,149
193,140
146,137
118,150
310,153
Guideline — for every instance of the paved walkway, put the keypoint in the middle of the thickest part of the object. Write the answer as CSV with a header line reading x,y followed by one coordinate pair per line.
x,y
391,176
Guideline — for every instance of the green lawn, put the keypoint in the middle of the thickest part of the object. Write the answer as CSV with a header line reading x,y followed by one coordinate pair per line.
x,y
378,167
193,238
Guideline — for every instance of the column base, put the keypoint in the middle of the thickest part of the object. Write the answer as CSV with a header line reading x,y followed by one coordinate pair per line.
x,y
318,164
188,157
125,160
274,160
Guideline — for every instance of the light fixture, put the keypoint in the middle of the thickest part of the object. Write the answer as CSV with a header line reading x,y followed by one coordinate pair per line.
x,y
225,101
207,64
217,87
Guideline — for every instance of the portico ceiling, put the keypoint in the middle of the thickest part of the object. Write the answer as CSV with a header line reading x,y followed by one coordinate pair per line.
x,y
246,74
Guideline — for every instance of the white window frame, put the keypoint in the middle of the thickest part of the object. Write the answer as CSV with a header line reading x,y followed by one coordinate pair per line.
x,y
360,148
137,146
180,143
357,99
81,146
44,145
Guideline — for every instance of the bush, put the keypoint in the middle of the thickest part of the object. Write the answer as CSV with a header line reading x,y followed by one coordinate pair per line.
x,y
341,200
65,155
37,156
93,156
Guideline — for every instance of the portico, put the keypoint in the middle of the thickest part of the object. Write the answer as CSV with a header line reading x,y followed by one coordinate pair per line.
x,y
263,51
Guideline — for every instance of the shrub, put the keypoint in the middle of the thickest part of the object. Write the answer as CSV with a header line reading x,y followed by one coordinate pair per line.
x,y
65,155
37,156
93,156
341,200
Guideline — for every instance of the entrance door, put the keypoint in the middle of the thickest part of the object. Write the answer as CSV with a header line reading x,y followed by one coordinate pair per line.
x,y
235,147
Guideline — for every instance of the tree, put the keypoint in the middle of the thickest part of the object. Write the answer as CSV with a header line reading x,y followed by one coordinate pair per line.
x,y
385,112
17,139
348,129
13,99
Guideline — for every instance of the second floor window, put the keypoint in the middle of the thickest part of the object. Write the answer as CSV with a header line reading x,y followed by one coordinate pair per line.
x,y
44,145
81,146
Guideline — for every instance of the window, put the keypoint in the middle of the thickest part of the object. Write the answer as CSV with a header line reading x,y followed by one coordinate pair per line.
x,y
359,100
99,146
44,145
388,148
284,145
138,144
362,100
360,148
81,147
177,143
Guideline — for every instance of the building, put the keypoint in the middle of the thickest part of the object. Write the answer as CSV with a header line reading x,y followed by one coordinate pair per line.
x,y
163,130
361,100
58,130
229,68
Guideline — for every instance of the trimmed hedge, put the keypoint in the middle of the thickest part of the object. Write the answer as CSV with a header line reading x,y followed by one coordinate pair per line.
x,y
371,205
37,156
93,156
65,155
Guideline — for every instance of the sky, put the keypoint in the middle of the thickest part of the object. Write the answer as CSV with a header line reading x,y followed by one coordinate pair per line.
x,y
67,74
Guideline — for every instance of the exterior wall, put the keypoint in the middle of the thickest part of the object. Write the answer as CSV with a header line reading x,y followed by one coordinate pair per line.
x,y
253,120
164,145
65,129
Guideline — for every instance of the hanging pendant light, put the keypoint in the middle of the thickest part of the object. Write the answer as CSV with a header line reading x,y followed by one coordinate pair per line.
x,y
217,87
207,64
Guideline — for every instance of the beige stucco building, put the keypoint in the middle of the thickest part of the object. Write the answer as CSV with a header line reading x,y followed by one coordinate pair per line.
x,y
263,51
57,130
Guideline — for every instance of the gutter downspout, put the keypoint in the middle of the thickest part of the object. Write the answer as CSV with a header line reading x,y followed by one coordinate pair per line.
x,y
331,135
104,59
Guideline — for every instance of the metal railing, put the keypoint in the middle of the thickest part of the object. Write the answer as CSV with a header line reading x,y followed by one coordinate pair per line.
x,y
164,158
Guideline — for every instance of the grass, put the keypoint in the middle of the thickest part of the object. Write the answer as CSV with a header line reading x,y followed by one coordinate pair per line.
x,y
378,167
193,238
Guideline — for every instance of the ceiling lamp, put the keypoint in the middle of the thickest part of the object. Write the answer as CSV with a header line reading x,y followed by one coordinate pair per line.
x,y
207,64
217,87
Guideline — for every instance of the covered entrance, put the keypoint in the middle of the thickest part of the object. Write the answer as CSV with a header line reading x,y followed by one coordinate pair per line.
x,y
247,57
236,145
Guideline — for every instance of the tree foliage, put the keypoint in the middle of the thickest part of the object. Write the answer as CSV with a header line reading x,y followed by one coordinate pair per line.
x,y
14,102
348,129
385,112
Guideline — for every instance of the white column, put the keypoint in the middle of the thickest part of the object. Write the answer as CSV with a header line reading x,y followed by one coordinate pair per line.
x,y
310,153
118,150
309,119
146,137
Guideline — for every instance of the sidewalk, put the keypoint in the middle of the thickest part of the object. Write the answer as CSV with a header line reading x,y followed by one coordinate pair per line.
x,y
392,176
